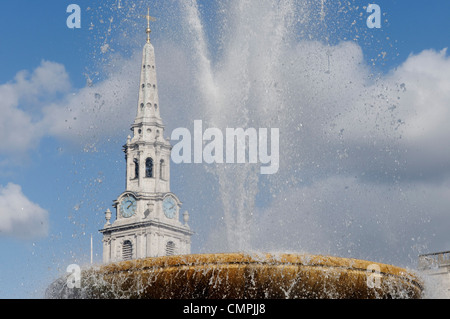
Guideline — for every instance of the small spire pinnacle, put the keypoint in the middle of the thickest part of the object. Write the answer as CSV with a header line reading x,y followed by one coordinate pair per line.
x,y
149,18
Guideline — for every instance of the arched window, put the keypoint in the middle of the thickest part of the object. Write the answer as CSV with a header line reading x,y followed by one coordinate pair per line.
x,y
149,167
170,248
136,168
127,250
161,170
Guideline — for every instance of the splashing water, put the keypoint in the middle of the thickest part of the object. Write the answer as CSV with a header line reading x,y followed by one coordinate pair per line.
x,y
240,91
253,81
287,64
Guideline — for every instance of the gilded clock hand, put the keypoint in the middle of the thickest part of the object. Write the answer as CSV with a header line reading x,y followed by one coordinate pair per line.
x,y
129,205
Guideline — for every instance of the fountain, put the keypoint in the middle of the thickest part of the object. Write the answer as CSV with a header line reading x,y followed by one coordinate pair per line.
x,y
243,275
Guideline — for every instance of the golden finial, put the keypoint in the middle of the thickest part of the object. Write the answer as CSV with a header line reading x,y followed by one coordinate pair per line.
x,y
149,18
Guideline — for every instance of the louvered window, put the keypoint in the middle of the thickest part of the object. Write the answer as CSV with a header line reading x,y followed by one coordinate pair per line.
x,y
170,248
127,250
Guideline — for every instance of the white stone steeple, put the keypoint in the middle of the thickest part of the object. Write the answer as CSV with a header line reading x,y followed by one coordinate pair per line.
x,y
147,213
148,106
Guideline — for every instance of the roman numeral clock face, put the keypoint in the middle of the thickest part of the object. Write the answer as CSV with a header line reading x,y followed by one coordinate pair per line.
x,y
128,206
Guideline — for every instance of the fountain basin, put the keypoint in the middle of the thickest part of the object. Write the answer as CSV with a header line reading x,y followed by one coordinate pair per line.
x,y
242,276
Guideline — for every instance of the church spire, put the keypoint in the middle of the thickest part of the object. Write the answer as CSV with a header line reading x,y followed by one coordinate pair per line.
x,y
147,213
148,105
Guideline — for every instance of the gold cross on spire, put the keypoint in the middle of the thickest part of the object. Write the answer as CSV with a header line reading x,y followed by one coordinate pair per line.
x,y
149,18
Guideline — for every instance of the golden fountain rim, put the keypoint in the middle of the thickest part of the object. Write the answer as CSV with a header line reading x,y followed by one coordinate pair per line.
x,y
261,259
243,275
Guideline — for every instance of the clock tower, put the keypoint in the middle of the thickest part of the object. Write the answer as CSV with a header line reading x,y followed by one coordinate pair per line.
x,y
147,213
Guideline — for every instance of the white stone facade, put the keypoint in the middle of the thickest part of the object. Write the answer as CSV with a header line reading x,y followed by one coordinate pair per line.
x,y
435,271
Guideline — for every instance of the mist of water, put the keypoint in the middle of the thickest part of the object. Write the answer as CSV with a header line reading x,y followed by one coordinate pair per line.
x,y
275,67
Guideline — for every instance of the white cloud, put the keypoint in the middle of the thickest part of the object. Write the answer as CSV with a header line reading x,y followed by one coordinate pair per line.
x,y
343,216
425,110
19,217
48,78
98,111
20,123
43,103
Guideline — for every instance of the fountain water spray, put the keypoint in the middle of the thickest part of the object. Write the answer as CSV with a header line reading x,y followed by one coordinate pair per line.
x,y
241,90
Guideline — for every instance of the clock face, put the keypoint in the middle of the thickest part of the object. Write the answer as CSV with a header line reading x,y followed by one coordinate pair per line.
x,y
128,206
170,207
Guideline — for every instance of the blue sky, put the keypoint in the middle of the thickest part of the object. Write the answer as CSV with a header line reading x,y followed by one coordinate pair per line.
x,y
61,163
